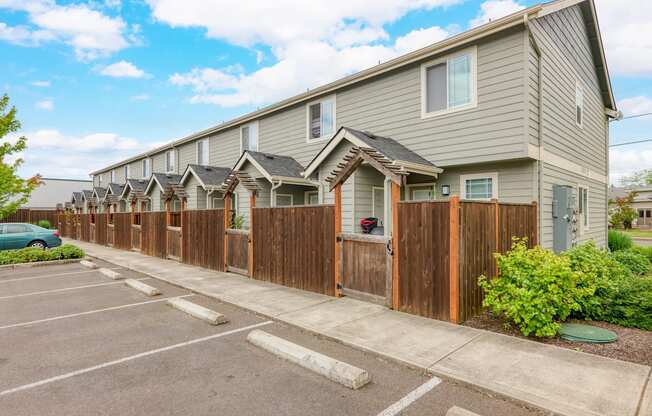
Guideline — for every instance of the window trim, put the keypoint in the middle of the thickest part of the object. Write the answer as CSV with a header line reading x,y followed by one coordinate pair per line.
x,y
374,189
306,197
333,98
473,51
113,175
145,172
291,200
127,170
433,185
208,154
579,103
486,175
174,161
257,128
588,211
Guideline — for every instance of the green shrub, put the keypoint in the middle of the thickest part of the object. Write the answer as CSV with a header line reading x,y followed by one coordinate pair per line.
x,y
635,262
44,224
645,251
536,288
31,254
619,241
629,303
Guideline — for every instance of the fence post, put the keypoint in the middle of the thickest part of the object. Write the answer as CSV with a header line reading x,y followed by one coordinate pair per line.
x,y
227,224
338,231
250,241
184,201
454,241
396,197
497,226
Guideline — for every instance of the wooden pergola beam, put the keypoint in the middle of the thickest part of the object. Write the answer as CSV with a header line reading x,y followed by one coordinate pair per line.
x,y
356,157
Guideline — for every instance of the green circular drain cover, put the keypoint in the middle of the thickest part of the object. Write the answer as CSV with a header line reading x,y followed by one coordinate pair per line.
x,y
586,333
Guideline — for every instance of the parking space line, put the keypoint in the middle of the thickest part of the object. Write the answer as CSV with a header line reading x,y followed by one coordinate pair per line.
x,y
73,315
411,397
130,358
64,289
52,275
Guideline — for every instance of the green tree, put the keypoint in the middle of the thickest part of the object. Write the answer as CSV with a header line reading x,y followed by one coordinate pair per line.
x,y
639,178
14,191
623,213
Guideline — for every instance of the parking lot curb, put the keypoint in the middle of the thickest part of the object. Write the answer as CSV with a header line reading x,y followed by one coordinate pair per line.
x,y
142,287
110,273
334,370
198,311
88,264
458,411
38,264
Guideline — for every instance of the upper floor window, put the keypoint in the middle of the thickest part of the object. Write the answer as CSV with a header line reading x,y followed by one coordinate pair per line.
x,y
449,84
202,152
126,172
249,137
169,161
145,171
483,186
579,105
321,119
113,176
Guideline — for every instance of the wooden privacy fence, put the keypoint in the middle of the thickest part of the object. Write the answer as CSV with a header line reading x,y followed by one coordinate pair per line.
x,y
33,216
294,247
429,268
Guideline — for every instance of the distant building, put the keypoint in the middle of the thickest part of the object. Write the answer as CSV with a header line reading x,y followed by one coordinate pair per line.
x,y
642,202
53,190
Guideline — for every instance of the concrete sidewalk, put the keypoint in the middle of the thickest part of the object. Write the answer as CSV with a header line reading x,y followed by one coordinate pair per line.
x,y
552,378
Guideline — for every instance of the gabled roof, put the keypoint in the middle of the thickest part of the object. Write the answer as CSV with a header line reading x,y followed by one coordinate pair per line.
x,y
273,167
77,197
134,185
391,150
164,181
99,192
86,195
115,189
209,177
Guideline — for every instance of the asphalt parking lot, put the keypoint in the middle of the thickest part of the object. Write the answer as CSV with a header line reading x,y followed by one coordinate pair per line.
x,y
74,342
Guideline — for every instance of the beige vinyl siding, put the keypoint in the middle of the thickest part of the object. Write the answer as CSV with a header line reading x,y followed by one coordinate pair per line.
x,y
566,59
156,201
515,180
532,79
224,148
158,163
325,170
391,106
196,194
136,169
597,209
366,178
187,154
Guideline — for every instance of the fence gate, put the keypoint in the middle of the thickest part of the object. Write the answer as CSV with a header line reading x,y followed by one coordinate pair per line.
x,y
237,251
366,267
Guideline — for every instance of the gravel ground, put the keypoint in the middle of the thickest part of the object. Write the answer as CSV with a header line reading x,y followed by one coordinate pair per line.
x,y
634,345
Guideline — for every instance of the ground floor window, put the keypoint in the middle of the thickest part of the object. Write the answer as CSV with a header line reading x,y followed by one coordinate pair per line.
x,y
583,205
421,192
378,204
284,200
482,186
312,197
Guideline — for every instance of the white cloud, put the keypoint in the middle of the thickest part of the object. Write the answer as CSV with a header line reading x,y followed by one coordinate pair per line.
x,y
41,84
623,162
140,97
47,105
123,69
89,32
301,65
53,153
495,9
635,105
627,35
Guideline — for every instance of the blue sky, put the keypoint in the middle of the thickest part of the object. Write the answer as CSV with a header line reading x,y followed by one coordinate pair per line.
x,y
100,80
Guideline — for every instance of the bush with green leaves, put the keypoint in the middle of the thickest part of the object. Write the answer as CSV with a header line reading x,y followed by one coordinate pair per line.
x,y
635,262
44,224
644,251
619,241
32,254
535,290
629,303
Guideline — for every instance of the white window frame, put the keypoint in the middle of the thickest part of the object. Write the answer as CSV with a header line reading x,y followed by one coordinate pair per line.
x,y
256,127
579,102
488,175
145,168
306,197
375,189
127,172
291,200
332,98
206,152
173,159
99,180
473,51
421,185
112,176
584,227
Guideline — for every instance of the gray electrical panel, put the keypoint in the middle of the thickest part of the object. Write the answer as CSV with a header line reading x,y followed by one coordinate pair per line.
x,y
564,218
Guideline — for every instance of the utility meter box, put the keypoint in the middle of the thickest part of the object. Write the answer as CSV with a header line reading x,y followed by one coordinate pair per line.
x,y
564,217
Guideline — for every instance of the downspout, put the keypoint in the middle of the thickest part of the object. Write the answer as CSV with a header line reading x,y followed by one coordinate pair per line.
x,y
273,193
537,50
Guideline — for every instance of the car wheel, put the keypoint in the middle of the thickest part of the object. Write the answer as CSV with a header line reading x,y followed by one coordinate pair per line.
x,y
38,244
